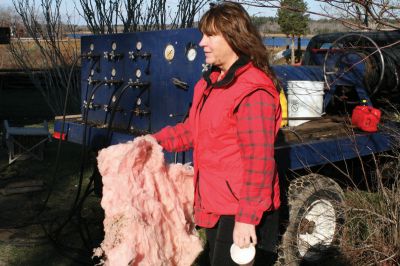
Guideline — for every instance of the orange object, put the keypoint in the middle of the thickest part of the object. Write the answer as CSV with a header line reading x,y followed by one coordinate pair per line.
x,y
58,135
366,118
283,101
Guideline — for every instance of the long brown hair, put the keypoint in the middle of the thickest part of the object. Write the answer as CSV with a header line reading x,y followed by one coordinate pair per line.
x,y
233,22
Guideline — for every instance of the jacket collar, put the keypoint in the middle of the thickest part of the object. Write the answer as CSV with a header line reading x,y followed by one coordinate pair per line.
x,y
237,68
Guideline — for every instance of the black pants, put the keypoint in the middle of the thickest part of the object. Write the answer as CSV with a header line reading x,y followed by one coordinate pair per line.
x,y
220,239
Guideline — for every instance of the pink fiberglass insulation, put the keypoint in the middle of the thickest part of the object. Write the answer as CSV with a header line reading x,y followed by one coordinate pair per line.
x,y
148,207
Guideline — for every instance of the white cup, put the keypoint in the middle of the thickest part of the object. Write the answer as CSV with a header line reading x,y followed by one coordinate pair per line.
x,y
243,256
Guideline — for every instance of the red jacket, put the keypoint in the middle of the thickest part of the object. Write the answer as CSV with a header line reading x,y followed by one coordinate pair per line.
x,y
211,131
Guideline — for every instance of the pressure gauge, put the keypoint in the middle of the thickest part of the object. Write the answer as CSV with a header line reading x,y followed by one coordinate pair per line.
x,y
113,72
91,46
138,73
138,46
113,46
191,54
169,52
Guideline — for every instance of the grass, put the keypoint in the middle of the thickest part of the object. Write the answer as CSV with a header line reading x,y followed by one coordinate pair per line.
x,y
40,255
372,228
22,238
33,54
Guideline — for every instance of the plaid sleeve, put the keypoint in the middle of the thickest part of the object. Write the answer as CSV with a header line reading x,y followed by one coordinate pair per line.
x,y
175,138
256,121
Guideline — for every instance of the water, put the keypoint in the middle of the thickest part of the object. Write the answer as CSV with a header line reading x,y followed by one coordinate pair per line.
x,y
283,41
77,35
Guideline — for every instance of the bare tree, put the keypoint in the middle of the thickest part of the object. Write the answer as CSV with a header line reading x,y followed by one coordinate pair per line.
x,y
186,13
47,51
351,13
99,15
154,16
131,20
367,14
104,16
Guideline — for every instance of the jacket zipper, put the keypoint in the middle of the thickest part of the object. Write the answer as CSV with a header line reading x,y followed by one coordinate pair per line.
x,y
230,189
198,187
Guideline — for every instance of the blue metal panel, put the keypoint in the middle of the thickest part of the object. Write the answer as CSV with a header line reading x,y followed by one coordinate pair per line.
x,y
291,156
313,153
141,108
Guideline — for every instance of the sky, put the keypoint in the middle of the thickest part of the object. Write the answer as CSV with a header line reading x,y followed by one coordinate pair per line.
x,y
69,5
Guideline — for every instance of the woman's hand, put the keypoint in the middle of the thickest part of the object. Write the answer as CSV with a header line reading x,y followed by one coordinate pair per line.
x,y
244,234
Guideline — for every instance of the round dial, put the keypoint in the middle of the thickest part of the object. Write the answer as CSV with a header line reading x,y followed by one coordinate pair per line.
x,y
169,52
113,72
138,73
114,46
138,45
191,54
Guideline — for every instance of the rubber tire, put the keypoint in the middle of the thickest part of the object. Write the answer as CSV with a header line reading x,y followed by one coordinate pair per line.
x,y
303,191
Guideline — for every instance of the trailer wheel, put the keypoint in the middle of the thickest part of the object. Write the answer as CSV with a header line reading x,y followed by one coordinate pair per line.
x,y
315,219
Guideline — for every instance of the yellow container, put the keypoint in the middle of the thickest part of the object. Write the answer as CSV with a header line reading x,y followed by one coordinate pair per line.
x,y
283,101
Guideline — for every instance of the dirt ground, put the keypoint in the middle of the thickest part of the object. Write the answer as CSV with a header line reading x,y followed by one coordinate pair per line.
x,y
30,225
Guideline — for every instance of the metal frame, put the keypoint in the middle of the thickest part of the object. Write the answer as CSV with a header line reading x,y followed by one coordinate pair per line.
x,y
39,136
293,156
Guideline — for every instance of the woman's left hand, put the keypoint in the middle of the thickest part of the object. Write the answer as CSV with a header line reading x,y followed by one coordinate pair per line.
x,y
244,234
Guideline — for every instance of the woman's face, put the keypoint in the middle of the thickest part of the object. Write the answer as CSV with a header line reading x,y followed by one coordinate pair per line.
x,y
217,51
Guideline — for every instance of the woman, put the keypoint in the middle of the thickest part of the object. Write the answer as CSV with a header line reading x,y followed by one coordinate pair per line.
x,y
231,127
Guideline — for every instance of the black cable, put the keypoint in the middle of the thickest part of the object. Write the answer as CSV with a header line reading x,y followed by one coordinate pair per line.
x,y
83,158
62,249
78,206
79,201
83,162
114,110
135,106
110,101
58,154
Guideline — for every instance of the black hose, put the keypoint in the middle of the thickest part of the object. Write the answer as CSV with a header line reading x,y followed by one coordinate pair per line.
x,y
131,116
114,110
83,160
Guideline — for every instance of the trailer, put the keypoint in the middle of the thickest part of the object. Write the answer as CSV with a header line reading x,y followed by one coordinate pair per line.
x,y
5,35
137,83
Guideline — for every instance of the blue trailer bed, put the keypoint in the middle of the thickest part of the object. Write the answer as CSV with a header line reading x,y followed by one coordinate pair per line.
x,y
314,143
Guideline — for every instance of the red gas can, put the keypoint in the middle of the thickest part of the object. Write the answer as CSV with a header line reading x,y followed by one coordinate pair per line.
x,y
366,118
